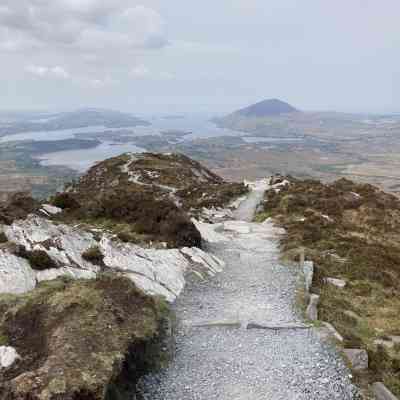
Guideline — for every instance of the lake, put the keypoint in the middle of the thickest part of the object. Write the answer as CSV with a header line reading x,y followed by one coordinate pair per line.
x,y
82,159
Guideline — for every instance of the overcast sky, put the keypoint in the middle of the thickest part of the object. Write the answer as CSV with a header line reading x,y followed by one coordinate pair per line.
x,y
209,55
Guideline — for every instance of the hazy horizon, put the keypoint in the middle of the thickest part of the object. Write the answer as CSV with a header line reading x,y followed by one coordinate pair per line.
x,y
179,57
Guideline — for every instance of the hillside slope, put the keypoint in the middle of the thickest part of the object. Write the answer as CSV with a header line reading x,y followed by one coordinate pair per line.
x,y
147,197
351,231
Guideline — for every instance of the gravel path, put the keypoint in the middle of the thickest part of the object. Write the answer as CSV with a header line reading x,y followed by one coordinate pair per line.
x,y
221,362
247,208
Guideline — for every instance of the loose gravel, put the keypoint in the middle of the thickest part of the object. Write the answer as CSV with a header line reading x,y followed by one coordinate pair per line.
x,y
235,363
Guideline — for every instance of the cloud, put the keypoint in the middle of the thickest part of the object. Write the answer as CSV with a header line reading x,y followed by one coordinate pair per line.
x,y
72,25
100,83
142,72
48,72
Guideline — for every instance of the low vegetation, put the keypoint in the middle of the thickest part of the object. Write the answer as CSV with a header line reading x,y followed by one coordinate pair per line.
x,y
81,339
3,238
38,259
351,231
146,198
18,206
94,255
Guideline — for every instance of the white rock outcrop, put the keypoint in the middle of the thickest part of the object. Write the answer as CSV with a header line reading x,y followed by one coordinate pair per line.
x,y
50,210
156,272
16,275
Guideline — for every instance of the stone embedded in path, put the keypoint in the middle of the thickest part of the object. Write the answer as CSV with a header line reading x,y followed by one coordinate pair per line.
x,y
276,327
214,324
312,309
308,270
332,332
237,227
382,392
358,358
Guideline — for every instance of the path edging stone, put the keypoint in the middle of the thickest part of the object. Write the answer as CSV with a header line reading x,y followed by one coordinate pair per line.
x,y
381,392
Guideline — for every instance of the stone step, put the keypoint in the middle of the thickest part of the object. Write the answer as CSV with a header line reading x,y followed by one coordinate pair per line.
x,y
278,327
248,325
213,324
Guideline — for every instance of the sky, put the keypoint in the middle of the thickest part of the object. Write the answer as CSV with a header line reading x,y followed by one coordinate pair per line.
x,y
169,56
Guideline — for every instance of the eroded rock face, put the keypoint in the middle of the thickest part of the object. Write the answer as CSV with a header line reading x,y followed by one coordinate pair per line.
x,y
156,272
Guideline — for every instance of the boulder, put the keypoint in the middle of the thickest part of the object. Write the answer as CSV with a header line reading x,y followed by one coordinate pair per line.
x,y
358,358
8,356
339,283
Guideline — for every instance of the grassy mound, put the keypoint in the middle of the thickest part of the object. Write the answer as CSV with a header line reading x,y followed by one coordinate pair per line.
x,y
351,231
80,340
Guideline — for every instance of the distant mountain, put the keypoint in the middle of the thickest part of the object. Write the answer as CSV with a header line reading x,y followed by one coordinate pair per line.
x,y
74,120
266,108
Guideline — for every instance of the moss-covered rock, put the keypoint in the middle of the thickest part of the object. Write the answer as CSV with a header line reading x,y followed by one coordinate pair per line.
x,y
80,340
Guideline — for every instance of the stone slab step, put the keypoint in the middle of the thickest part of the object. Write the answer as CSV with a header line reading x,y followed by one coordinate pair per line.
x,y
278,327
